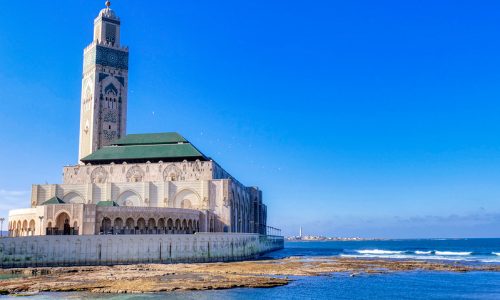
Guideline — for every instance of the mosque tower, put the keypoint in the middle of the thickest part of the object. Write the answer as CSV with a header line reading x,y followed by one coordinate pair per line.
x,y
103,117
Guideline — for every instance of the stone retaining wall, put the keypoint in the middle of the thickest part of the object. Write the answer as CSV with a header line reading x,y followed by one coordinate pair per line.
x,y
128,249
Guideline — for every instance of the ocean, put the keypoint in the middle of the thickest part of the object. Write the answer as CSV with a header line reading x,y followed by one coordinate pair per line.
x,y
399,285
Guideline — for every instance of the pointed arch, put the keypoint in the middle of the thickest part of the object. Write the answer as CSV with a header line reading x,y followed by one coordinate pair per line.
x,y
129,198
73,197
99,175
187,197
171,173
110,89
135,174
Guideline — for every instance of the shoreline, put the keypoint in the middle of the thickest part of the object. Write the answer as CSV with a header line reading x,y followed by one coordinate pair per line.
x,y
155,278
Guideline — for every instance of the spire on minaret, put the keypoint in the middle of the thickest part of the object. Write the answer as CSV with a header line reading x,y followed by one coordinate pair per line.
x,y
108,3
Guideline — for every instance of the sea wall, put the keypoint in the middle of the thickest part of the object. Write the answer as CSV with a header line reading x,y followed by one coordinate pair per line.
x,y
84,250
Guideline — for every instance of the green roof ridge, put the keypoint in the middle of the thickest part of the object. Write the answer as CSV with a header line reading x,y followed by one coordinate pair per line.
x,y
107,203
169,146
53,200
151,138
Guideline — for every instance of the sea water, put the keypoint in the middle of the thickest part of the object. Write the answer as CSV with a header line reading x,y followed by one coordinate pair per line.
x,y
399,285
462,250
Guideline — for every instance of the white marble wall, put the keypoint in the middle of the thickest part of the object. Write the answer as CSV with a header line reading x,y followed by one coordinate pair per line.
x,y
201,185
146,172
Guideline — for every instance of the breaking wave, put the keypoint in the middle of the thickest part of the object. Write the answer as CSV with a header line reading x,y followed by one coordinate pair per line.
x,y
377,251
490,257
451,253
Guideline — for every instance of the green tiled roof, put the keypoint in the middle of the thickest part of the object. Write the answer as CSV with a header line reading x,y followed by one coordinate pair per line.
x,y
151,138
53,200
107,203
146,147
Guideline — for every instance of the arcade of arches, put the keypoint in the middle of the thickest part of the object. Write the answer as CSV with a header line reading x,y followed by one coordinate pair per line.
x,y
148,226
75,219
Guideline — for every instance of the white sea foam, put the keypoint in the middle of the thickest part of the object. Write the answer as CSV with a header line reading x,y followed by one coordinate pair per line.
x,y
496,253
377,251
406,256
462,256
451,253
423,252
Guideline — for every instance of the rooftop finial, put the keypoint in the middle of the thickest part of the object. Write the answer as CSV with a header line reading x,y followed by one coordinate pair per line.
x,y
108,3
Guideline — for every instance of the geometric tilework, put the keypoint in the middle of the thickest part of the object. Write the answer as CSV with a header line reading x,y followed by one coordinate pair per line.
x,y
108,57
111,57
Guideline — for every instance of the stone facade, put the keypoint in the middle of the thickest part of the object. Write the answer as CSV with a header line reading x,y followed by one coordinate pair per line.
x,y
201,186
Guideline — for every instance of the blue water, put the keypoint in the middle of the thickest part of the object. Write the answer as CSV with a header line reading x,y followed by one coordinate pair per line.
x,y
404,285
464,250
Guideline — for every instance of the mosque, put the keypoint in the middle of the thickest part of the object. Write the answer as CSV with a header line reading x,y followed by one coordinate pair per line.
x,y
156,183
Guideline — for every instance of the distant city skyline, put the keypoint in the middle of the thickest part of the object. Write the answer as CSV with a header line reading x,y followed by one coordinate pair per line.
x,y
355,119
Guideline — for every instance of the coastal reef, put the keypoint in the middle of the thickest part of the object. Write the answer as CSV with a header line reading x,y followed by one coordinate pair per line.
x,y
149,278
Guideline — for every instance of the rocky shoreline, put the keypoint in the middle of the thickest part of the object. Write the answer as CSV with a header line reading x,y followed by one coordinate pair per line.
x,y
151,278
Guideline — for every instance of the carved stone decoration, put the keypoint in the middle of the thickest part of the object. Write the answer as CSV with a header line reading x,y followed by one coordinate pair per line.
x,y
135,174
99,175
171,173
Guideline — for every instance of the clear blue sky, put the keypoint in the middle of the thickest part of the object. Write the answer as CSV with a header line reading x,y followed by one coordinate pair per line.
x,y
366,118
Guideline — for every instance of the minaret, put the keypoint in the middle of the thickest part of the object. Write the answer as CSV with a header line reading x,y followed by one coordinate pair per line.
x,y
103,117
300,232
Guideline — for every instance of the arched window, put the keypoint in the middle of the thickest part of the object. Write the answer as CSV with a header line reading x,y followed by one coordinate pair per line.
x,y
161,224
184,226
130,226
62,224
151,223
106,226
87,99
110,96
135,174
32,227
118,224
141,224
129,198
